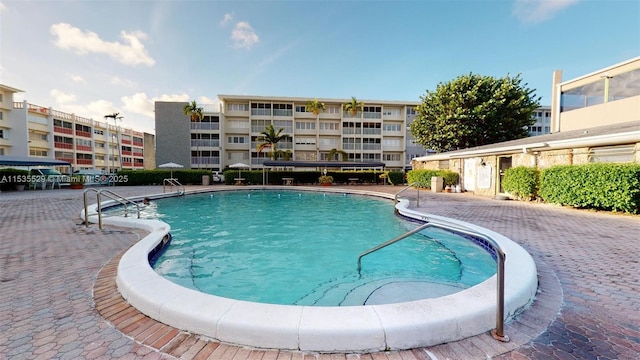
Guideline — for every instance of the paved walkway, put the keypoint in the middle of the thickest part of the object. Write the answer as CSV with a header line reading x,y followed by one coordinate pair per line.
x,y
588,306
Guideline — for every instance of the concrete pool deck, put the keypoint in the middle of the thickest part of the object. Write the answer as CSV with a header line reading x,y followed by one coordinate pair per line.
x,y
51,268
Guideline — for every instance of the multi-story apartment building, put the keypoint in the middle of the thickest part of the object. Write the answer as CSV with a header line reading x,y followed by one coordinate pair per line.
x,y
542,126
28,130
378,132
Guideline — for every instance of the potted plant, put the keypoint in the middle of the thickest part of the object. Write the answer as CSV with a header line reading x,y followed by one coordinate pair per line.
x,y
325,180
77,182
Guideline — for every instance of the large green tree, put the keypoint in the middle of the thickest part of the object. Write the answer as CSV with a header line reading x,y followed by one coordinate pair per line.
x,y
269,138
474,110
194,112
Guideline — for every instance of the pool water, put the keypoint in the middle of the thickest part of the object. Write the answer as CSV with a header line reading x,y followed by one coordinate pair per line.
x,y
301,248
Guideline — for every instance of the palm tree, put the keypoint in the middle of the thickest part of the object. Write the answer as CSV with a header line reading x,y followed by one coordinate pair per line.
x,y
269,138
316,107
353,106
333,152
194,112
115,116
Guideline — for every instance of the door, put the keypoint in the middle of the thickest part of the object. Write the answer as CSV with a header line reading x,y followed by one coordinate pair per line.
x,y
504,163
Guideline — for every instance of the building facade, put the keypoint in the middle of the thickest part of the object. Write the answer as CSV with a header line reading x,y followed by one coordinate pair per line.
x,y
28,130
377,132
542,126
593,119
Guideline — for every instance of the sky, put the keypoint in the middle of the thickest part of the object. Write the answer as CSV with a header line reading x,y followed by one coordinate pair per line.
x,y
94,58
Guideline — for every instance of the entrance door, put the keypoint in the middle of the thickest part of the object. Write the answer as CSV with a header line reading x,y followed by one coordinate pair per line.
x,y
504,163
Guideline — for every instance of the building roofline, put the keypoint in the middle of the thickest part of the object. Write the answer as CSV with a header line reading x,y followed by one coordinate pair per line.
x,y
9,88
637,58
305,99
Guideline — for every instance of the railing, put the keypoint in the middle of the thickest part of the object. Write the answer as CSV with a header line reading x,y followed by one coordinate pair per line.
x,y
405,188
498,332
173,183
113,196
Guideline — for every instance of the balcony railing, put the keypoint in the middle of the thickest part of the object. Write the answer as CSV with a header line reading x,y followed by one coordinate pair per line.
x,y
69,160
261,112
84,148
371,131
60,145
83,133
351,131
208,160
372,115
84,161
125,152
205,143
125,141
282,112
371,147
205,126
62,130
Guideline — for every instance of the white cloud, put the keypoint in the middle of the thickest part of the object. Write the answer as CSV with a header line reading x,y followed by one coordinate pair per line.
x,y
116,80
77,79
129,52
227,19
536,11
2,7
62,97
140,103
210,104
243,36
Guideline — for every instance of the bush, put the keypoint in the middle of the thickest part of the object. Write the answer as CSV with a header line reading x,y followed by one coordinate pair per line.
x,y
255,177
522,182
9,178
150,177
423,177
614,187
396,177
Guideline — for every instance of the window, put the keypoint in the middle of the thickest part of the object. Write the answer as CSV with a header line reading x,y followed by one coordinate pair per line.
x,y
391,157
238,124
411,111
261,109
83,142
34,136
38,153
237,140
282,110
305,141
391,112
301,108
238,107
392,127
307,125
1,151
329,126
1,114
98,132
391,142
99,145
329,141
1,98
333,109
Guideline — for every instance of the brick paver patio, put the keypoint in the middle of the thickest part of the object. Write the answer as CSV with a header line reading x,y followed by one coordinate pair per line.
x,y
52,268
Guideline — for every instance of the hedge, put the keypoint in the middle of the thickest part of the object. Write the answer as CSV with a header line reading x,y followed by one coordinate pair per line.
x,y
522,182
396,177
151,177
423,177
8,177
614,187
255,177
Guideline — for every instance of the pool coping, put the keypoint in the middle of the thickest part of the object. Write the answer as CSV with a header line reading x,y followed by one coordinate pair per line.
x,y
369,328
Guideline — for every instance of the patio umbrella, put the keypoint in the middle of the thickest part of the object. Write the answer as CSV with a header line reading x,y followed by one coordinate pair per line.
x,y
239,166
170,165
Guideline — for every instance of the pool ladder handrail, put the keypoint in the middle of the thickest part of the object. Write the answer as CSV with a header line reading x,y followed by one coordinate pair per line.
x,y
173,182
498,332
413,184
111,195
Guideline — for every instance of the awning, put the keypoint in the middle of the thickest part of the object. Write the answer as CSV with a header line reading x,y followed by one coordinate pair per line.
x,y
325,164
31,161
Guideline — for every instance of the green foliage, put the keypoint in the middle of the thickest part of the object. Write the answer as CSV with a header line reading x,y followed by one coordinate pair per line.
x,y
614,187
522,182
325,179
269,138
10,177
474,110
423,177
255,177
396,177
151,177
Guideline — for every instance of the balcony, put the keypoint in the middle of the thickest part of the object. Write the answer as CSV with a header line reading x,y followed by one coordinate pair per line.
x,y
260,112
127,153
209,160
84,162
351,131
125,141
60,145
84,148
62,130
205,126
127,164
138,143
371,147
372,115
83,133
367,131
69,160
205,143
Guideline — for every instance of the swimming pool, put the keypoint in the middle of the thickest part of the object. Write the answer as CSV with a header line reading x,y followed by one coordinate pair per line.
x,y
300,248
404,325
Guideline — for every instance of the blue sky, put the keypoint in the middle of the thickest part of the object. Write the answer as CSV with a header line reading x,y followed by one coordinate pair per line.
x,y
93,58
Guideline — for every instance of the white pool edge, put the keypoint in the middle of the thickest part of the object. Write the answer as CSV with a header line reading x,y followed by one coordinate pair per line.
x,y
323,329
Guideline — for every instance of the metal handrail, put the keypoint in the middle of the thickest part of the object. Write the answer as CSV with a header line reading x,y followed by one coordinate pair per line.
x,y
498,332
173,183
111,195
405,188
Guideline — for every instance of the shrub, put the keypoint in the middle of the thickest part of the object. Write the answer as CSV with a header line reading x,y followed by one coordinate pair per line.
x,y
614,187
9,178
522,182
396,177
150,177
423,177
